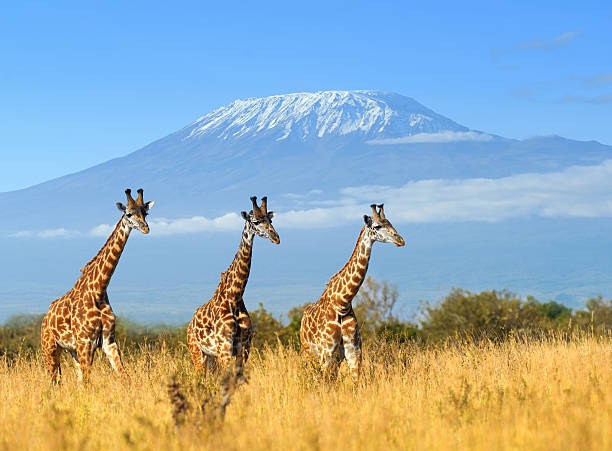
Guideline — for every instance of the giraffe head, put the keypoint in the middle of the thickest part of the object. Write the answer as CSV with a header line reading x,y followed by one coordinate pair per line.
x,y
259,220
380,229
136,211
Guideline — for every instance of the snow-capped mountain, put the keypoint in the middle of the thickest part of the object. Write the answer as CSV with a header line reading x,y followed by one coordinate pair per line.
x,y
292,143
309,152
302,116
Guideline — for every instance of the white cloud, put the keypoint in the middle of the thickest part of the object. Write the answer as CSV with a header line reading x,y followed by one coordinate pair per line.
x,y
162,226
540,44
48,233
440,137
317,217
101,230
594,100
548,44
159,227
229,221
54,233
22,234
597,80
578,191
312,192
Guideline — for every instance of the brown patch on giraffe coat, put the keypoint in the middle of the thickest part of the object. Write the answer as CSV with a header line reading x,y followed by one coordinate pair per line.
x,y
92,314
331,315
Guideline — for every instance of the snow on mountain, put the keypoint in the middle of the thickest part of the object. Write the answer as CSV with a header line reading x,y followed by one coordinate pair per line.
x,y
303,116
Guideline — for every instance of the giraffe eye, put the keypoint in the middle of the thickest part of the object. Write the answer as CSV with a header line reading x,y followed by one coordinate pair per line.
x,y
129,215
377,227
256,222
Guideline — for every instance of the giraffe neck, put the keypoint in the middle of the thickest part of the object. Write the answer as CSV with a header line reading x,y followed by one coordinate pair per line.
x,y
98,272
344,285
234,280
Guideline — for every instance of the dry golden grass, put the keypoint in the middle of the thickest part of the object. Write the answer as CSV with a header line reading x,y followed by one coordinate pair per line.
x,y
538,394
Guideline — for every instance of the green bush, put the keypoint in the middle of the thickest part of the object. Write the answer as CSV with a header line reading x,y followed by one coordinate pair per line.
x,y
489,314
20,334
596,317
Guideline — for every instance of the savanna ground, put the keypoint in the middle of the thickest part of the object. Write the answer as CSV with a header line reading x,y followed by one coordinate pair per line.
x,y
477,371
553,392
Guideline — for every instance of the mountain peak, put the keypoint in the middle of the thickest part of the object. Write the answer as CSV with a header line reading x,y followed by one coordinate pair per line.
x,y
315,115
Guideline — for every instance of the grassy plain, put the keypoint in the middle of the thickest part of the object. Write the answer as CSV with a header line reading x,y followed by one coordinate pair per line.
x,y
553,393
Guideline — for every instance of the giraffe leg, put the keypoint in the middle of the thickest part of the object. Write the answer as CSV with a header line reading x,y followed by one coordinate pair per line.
x,y
109,345
224,354
200,360
77,365
226,342
351,341
328,363
246,332
50,350
198,357
240,362
51,356
85,354
332,348
209,363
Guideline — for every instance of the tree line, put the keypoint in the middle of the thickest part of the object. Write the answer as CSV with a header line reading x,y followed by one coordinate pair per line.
x,y
491,315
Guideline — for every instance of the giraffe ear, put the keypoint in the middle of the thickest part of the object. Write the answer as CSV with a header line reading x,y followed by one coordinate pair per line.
x,y
120,207
270,215
149,205
244,215
368,220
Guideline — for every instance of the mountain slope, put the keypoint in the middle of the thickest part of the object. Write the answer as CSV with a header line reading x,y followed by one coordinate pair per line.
x,y
288,144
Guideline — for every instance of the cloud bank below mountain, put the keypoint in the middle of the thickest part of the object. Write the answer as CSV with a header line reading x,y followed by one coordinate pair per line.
x,y
439,137
578,191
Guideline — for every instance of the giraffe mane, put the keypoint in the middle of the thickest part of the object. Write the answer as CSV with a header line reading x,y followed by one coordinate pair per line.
x,y
90,264
223,282
332,278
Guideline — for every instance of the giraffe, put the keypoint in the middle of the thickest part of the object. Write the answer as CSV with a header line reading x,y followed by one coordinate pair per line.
x,y
329,328
221,328
82,320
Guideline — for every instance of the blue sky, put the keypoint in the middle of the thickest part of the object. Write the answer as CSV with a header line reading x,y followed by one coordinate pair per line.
x,y
80,84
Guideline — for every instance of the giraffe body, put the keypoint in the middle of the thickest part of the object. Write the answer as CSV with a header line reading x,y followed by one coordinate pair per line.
x,y
82,320
221,328
329,328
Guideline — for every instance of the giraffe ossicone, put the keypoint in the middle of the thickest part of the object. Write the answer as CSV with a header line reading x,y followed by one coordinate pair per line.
x,y
221,328
329,329
82,320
